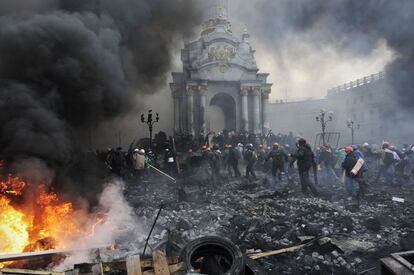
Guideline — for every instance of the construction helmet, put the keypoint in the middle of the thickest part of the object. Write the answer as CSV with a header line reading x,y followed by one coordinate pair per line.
x,y
275,145
348,149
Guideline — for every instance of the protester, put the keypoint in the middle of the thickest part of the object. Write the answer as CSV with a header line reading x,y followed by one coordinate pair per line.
x,y
278,157
305,161
139,163
250,157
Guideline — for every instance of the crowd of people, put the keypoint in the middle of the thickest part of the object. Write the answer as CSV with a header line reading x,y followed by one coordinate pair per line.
x,y
270,157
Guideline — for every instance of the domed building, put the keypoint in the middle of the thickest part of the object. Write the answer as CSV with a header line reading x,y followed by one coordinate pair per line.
x,y
219,87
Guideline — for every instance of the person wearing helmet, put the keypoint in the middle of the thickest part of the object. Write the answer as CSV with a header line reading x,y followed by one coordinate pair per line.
x,y
138,158
250,156
278,157
233,160
305,161
387,167
348,164
214,158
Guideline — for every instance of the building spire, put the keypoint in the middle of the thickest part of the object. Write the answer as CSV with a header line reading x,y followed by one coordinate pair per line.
x,y
216,17
217,9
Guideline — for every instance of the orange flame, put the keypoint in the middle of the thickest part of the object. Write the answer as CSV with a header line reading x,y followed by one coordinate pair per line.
x,y
49,224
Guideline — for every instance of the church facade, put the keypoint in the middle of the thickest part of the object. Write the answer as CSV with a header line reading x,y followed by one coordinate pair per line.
x,y
219,70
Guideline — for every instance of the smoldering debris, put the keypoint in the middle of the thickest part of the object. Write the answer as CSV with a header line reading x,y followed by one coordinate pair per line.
x,y
343,239
118,227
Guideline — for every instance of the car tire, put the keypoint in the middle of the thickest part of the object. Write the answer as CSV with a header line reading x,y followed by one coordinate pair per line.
x,y
213,256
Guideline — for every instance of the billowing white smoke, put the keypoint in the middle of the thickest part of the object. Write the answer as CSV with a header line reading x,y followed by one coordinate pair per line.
x,y
120,227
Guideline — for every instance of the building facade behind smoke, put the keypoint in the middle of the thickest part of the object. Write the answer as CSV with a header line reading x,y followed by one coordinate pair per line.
x,y
219,70
366,101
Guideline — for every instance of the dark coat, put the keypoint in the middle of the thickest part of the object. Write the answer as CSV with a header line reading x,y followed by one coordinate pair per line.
x,y
278,156
327,158
304,157
349,163
234,155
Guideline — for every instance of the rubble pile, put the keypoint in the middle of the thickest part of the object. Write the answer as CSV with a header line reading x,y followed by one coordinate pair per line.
x,y
339,237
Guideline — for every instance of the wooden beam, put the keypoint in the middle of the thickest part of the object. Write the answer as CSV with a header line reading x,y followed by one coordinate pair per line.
x,y
276,252
133,264
27,255
176,267
160,263
6,271
148,262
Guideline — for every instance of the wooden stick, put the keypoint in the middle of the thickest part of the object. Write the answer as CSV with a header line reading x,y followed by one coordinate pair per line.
x,y
27,272
27,255
276,252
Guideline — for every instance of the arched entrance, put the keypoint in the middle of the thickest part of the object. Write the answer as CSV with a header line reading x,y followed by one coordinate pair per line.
x,y
222,113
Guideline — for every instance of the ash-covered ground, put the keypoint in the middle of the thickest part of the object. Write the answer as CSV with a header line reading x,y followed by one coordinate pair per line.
x,y
346,239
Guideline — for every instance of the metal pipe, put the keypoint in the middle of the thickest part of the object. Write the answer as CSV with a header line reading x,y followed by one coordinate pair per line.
x,y
162,173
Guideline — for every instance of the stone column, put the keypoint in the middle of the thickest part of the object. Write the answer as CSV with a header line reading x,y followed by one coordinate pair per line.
x,y
265,102
190,108
203,108
244,90
176,96
256,109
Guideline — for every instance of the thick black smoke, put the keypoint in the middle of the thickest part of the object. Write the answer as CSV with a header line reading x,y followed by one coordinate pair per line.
x,y
352,26
67,65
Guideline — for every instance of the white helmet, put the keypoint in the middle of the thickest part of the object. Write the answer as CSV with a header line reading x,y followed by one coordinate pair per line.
x,y
142,151
136,150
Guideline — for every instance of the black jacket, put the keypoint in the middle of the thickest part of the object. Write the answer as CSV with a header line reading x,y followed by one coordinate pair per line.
x,y
304,157
234,155
349,163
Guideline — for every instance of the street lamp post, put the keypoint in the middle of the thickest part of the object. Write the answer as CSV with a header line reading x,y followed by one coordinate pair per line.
x,y
324,118
353,126
150,122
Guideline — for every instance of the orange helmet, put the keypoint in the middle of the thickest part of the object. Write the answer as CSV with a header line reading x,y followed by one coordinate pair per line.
x,y
275,145
348,149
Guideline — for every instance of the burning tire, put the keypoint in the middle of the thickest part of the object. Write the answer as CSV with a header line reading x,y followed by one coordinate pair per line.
x,y
213,256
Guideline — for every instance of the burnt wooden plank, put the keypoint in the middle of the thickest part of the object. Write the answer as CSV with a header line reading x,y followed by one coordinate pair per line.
x,y
7,271
160,263
133,264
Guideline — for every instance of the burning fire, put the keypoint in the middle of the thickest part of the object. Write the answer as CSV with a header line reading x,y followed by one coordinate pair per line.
x,y
39,223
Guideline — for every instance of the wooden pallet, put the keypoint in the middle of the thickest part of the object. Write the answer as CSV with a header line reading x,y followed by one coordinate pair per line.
x,y
159,264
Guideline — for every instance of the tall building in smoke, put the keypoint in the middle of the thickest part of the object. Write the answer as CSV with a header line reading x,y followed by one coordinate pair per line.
x,y
220,75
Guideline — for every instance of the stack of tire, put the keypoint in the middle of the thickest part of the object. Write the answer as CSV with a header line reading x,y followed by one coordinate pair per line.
x,y
218,256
